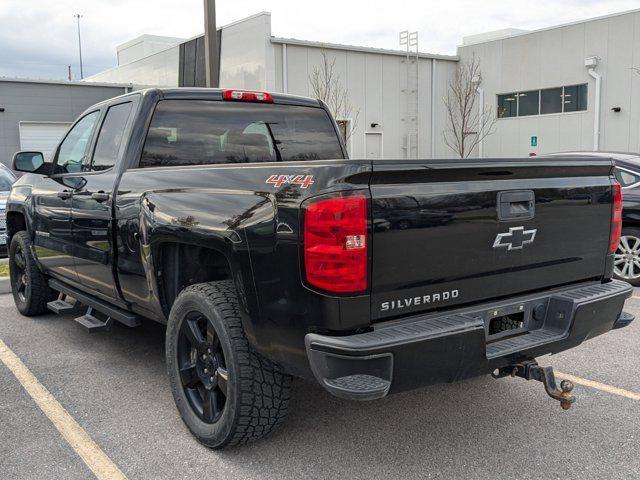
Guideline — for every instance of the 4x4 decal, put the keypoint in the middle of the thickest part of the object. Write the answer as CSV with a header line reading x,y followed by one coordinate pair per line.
x,y
303,181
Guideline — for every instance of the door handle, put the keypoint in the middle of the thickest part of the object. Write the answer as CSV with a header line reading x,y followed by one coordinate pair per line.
x,y
100,196
64,194
516,205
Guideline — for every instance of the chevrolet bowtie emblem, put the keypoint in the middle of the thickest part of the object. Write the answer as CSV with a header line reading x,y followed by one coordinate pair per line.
x,y
515,238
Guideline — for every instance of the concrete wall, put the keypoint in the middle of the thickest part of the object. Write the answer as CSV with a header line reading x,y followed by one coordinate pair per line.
x,y
43,102
158,70
555,57
245,54
143,46
376,83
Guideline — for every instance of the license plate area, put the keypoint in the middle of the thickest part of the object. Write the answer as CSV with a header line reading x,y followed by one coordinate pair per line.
x,y
513,320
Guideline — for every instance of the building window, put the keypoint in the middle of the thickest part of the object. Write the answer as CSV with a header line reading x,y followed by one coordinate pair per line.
x,y
571,98
551,100
529,103
575,98
507,105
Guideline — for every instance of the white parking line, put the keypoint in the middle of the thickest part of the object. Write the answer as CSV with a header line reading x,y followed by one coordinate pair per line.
x,y
599,386
90,453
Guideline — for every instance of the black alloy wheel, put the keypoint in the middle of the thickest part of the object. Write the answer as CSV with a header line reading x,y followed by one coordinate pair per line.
x,y
203,372
19,279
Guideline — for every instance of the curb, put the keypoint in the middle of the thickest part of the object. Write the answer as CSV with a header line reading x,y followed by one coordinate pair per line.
x,y
5,285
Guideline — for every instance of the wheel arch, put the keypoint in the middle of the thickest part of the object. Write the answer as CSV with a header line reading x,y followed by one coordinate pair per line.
x,y
179,265
16,222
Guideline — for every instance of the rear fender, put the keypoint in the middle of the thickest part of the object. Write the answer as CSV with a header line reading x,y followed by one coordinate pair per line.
x,y
215,219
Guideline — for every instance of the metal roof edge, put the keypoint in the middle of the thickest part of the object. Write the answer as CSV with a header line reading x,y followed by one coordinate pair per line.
x,y
354,48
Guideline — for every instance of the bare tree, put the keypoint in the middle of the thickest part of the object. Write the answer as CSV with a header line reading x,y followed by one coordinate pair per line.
x,y
466,125
327,86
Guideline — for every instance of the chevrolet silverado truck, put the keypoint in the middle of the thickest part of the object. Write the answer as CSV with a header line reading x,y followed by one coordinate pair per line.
x,y
237,219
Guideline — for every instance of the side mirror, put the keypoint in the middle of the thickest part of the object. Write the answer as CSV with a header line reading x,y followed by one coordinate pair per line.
x,y
30,162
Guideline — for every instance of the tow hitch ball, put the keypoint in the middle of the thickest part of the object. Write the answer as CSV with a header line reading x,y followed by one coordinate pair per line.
x,y
530,370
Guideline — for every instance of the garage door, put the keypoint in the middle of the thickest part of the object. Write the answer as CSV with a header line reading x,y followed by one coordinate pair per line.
x,y
42,136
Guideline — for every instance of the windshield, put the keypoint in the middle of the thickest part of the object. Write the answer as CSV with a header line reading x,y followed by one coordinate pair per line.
x,y
198,132
6,179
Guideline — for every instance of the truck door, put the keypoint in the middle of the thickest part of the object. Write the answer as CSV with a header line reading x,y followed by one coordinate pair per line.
x,y
92,205
52,200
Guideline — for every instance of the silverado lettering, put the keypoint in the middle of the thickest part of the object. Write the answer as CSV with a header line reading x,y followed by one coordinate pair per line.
x,y
414,301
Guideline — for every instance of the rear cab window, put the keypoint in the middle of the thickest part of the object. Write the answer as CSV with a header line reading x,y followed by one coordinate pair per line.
x,y
110,137
203,132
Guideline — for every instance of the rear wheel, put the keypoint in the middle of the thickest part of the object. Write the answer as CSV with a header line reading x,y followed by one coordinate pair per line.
x,y
626,263
29,285
225,392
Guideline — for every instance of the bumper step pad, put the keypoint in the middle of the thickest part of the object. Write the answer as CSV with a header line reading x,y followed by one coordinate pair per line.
x,y
360,387
624,319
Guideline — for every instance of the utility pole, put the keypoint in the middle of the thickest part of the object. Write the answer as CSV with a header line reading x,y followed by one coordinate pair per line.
x,y
211,45
78,17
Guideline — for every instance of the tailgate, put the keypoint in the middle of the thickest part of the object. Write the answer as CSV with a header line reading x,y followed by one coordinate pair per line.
x,y
449,232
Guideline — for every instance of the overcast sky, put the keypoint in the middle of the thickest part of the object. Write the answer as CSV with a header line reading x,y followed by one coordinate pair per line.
x,y
38,39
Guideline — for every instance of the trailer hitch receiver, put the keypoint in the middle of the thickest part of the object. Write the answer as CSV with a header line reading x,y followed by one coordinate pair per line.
x,y
530,370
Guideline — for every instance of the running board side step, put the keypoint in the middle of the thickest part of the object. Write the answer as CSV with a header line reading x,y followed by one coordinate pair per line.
x,y
112,312
94,324
61,306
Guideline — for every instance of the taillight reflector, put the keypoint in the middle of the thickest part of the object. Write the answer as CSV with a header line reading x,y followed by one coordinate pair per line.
x,y
335,242
247,96
616,218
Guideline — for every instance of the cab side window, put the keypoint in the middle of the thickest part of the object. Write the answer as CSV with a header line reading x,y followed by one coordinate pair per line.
x,y
73,149
110,137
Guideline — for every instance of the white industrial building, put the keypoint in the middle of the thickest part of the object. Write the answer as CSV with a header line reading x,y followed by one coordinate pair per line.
x,y
543,86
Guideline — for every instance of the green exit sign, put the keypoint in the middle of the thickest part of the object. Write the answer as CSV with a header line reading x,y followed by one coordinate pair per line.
x,y
534,141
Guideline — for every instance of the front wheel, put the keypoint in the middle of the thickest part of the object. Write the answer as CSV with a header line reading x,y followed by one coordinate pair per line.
x,y
29,285
626,263
226,393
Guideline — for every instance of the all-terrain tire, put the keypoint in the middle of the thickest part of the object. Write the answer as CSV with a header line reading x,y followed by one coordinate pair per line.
x,y
257,390
29,285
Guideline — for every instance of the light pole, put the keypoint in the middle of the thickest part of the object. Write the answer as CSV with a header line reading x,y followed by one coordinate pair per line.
x,y
211,45
78,17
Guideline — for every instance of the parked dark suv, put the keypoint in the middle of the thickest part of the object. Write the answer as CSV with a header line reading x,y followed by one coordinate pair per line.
x,y
6,180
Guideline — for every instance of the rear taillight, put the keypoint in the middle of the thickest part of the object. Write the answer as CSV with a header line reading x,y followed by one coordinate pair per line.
x,y
247,96
335,242
616,218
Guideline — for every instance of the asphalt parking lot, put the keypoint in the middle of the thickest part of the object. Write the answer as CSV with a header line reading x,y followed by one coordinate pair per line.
x,y
114,386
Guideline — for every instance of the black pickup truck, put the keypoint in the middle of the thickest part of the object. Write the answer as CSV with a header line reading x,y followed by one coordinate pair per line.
x,y
237,219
